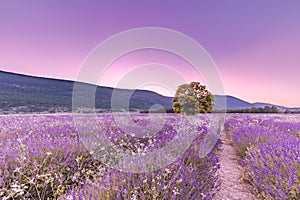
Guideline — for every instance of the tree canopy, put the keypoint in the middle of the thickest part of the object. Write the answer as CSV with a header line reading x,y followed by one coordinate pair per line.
x,y
192,98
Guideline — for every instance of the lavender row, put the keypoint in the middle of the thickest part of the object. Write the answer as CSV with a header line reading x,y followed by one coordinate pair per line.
x,y
269,148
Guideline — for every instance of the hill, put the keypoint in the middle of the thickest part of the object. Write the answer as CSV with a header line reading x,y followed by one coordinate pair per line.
x,y
26,94
21,93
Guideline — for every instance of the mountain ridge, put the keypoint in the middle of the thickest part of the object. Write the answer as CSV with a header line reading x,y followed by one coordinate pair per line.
x,y
21,93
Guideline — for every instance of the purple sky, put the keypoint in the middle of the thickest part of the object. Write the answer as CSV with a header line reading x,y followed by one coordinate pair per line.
x,y
255,44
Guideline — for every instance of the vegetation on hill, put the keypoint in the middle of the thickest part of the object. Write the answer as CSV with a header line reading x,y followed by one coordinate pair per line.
x,y
266,109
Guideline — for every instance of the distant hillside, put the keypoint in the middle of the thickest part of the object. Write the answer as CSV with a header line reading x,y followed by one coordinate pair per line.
x,y
21,93
24,94
231,102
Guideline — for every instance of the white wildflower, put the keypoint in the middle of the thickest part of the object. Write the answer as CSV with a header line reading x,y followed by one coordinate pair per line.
x,y
48,153
133,197
179,181
74,178
175,191
69,197
167,170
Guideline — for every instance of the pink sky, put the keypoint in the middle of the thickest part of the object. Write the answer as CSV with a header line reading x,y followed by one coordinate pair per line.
x,y
167,71
255,44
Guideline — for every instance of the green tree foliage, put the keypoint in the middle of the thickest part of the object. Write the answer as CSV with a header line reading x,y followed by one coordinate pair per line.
x,y
192,98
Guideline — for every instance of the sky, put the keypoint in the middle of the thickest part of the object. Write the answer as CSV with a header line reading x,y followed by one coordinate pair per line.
x,y
255,45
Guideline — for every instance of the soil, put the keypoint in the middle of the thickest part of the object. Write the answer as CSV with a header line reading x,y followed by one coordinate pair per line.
x,y
232,186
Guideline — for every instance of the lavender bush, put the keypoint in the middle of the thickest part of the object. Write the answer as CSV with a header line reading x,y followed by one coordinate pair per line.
x,y
190,177
42,157
270,151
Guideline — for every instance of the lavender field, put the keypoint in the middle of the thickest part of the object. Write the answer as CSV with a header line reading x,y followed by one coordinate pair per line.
x,y
64,157
269,150
43,157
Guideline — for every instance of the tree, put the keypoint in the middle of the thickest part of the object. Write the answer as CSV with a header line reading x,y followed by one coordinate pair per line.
x,y
192,98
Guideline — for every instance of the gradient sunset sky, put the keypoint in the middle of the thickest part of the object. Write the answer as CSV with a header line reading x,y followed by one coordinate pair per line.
x,y
255,44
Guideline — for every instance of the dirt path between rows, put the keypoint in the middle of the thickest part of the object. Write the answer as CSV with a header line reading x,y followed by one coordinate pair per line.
x,y
232,186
